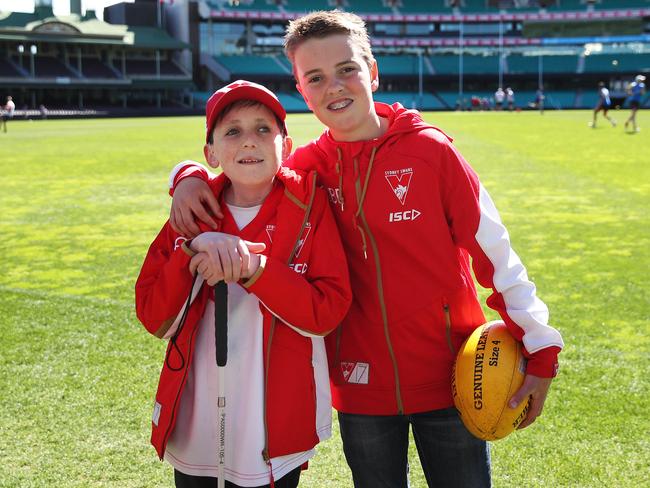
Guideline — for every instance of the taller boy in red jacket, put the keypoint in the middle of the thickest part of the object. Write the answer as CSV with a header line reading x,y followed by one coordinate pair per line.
x,y
278,249
411,213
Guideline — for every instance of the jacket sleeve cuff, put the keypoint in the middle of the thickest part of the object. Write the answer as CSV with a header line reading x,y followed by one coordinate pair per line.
x,y
187,249
247,283
544,363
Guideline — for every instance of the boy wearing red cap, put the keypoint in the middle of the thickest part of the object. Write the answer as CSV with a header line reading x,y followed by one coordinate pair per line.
x,y
278,250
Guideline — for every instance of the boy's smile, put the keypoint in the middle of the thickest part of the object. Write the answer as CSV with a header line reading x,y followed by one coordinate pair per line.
x,y
337,84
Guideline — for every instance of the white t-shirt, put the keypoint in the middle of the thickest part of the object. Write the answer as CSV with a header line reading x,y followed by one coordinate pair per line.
x,y
192,447
604,95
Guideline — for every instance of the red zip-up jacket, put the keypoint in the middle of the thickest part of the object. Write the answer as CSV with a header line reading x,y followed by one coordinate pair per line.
x,y
411,213
304,293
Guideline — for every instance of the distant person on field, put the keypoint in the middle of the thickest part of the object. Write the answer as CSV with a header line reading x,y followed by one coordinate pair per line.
x,y
414,219
604,103
43,110
635,90
8,112
499,97
510,98
278,248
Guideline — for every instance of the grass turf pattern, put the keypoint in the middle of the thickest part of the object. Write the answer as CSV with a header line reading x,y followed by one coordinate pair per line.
x,y
82,199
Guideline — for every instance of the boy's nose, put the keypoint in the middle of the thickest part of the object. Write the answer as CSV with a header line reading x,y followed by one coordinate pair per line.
x,y
249,141
335,86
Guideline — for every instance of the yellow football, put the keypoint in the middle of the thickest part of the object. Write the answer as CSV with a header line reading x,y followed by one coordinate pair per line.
x,y
490,368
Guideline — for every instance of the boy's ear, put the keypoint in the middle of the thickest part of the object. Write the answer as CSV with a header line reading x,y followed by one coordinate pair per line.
x,y
287,145
209,158
374,76
303,96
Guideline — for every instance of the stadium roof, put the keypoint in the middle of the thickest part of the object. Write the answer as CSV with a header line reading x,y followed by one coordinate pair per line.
x,y
43,25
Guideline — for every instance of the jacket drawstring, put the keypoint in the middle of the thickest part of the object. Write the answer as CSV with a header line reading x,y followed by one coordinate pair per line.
x,y
365,183
361,198
271,478
339,171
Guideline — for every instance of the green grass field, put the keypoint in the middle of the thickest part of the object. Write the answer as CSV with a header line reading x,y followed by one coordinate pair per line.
x,y
81,201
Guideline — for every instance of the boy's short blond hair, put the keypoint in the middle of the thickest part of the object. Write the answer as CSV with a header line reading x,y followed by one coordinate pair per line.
x,y
326,23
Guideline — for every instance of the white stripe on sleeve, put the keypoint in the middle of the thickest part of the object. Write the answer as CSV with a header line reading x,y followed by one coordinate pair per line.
x,y
178,167
511,280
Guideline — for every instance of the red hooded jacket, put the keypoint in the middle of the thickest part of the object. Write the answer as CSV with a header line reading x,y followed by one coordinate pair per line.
x,y
411,213
304,293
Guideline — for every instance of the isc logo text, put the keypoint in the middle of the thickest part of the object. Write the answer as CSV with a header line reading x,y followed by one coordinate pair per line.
x,y
405,215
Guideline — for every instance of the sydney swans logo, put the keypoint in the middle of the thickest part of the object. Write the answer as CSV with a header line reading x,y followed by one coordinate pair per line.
x,y
399,181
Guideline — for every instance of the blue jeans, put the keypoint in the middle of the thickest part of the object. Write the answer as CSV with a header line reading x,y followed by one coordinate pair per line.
x,y
376,449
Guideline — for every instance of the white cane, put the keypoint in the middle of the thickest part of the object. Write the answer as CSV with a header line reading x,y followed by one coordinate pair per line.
x,y
221,344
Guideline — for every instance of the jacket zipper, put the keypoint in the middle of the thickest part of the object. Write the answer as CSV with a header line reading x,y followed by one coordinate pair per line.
x,y
448,329
380,291
307,209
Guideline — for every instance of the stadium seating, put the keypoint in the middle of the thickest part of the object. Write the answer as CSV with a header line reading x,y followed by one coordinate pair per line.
x,y
472,64
251,5
94,68
410,100
617,63
518,64
292,102
368,7
307,6
399,65
47,67
478,6
416,6
610,4
146,67
567,5
7,70
246,65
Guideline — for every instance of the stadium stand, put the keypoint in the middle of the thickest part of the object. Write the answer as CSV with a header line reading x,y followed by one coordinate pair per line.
x,y
249,65
416,6
9,70
94,68
292,102
622,4
472,64
307,6
76,59
147,67
398,65
560,99
617,63
519,64
370,7
47,67
580,44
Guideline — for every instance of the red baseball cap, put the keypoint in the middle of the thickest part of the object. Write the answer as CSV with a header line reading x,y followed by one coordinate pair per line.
x,y
241,90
